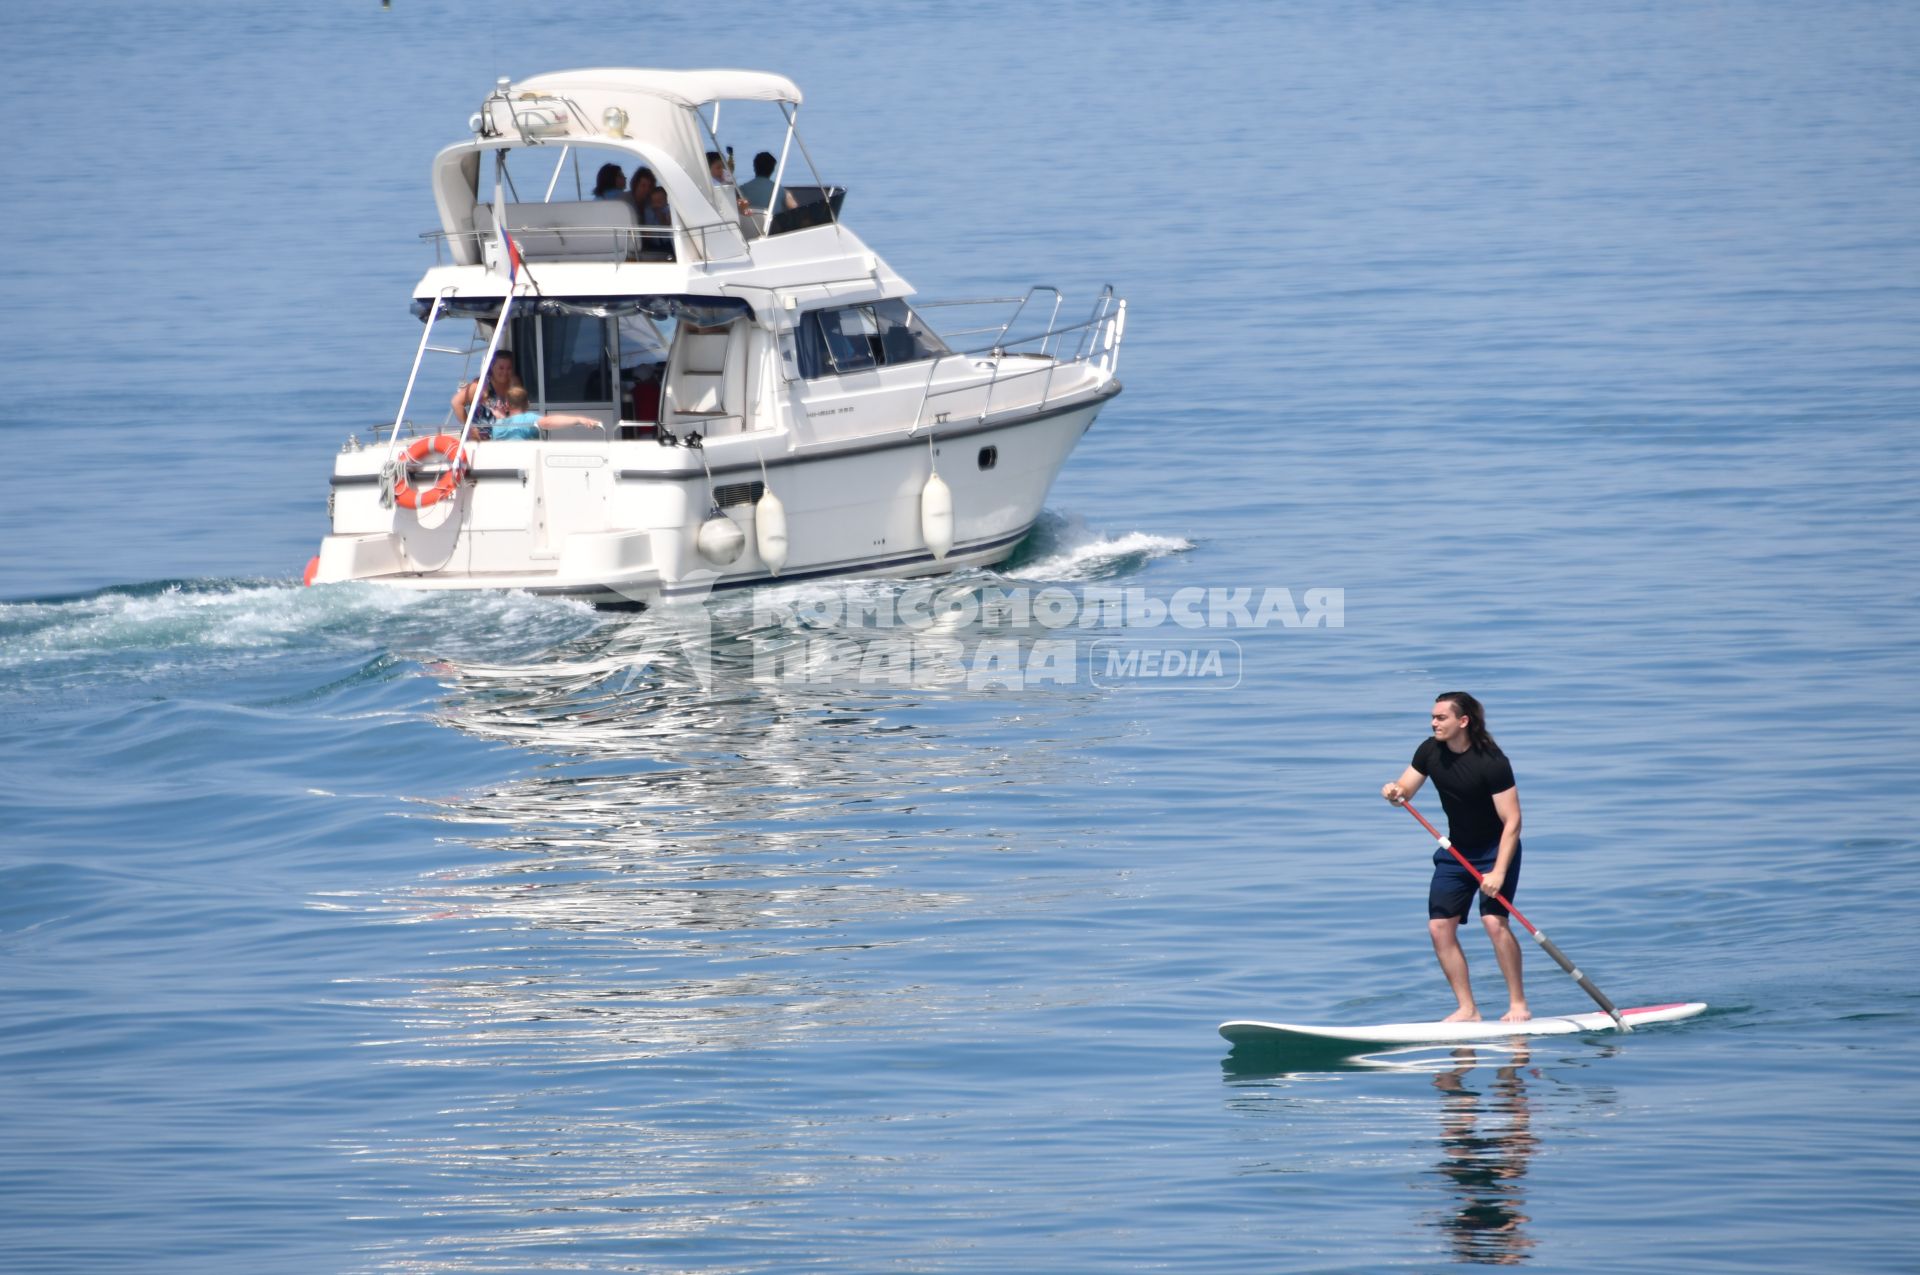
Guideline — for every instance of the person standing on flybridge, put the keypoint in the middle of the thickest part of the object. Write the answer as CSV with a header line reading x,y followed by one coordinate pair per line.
x,y
1476,787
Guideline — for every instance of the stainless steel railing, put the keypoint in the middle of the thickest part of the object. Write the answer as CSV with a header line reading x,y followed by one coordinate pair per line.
x,y
1019,305
1097,344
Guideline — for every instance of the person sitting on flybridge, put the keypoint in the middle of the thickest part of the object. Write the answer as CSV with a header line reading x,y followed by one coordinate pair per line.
x,y
523,424
1483,822
640,190
759,192
721,173
610,182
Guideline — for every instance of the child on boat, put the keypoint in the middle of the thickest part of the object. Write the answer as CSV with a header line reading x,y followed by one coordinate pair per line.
x,y
522,424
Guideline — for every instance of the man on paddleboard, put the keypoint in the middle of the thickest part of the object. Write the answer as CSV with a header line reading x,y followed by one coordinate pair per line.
x,y
1476,787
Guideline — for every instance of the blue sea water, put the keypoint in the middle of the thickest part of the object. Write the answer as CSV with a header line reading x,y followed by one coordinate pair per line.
x,y
348,931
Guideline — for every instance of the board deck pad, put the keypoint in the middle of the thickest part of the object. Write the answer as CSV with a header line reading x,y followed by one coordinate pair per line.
x,y
1250,1031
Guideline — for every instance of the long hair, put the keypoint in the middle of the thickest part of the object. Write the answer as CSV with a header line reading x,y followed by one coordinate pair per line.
x,y
1470,708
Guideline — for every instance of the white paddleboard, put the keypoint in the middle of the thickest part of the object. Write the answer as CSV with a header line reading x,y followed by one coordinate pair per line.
x,y
1248,1031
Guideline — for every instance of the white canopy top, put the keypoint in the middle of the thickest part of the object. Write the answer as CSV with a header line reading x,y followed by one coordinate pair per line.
x,y
684,88
661,122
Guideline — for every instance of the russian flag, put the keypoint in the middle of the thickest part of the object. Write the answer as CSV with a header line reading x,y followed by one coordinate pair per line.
x,y
509,250
510,255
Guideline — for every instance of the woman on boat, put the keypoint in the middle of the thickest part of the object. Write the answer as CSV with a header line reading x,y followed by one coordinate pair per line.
x,y
610,183
640,190
493,400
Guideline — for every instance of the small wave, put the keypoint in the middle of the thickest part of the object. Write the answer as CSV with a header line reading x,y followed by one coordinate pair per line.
x,y
1066,549
773,607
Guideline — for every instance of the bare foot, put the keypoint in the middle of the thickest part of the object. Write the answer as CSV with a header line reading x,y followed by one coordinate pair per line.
x,y
1465,1014
1518,1014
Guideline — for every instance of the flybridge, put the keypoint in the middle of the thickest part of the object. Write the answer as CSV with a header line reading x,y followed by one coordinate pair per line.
x,y
665,123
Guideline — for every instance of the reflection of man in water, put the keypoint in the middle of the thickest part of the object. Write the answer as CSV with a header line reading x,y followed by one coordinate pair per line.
x,y
1485,1143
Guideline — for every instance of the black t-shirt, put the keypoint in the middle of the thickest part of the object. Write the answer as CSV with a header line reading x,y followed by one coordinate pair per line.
x,y
1466,783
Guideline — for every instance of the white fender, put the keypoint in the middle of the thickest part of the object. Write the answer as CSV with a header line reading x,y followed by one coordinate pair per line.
x,y
936,516
770,531
720,540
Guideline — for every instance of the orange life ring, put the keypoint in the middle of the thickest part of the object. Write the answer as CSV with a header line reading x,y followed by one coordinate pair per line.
x,y
406,495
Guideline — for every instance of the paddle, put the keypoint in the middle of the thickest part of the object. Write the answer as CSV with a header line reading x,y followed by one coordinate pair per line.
x,y
1586,984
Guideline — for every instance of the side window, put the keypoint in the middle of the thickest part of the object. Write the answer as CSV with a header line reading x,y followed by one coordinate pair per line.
x,y
852,337
856,337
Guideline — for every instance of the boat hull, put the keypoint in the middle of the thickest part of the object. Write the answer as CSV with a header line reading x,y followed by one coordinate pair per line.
x,y
617,524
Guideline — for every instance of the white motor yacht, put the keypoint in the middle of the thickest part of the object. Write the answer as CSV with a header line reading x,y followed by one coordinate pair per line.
x,y
725,388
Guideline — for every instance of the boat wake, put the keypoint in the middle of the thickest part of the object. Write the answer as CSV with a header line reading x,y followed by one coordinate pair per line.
x,y
1065,549
169,634
167,629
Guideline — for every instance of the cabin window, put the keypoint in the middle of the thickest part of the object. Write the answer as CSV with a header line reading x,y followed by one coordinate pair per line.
x,y
854,338
851,337
565,359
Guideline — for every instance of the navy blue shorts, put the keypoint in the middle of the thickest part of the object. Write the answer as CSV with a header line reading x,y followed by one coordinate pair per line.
x,y
1453,889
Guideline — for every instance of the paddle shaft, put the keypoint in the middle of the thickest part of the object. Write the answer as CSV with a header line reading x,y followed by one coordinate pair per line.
x,y
1552,948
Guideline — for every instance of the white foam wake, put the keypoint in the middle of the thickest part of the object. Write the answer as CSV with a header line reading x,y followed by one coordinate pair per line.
x,y
1070,551
257,616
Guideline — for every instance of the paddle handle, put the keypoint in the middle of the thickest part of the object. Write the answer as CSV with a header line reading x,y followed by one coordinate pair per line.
x,y
1586,984
1552,948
